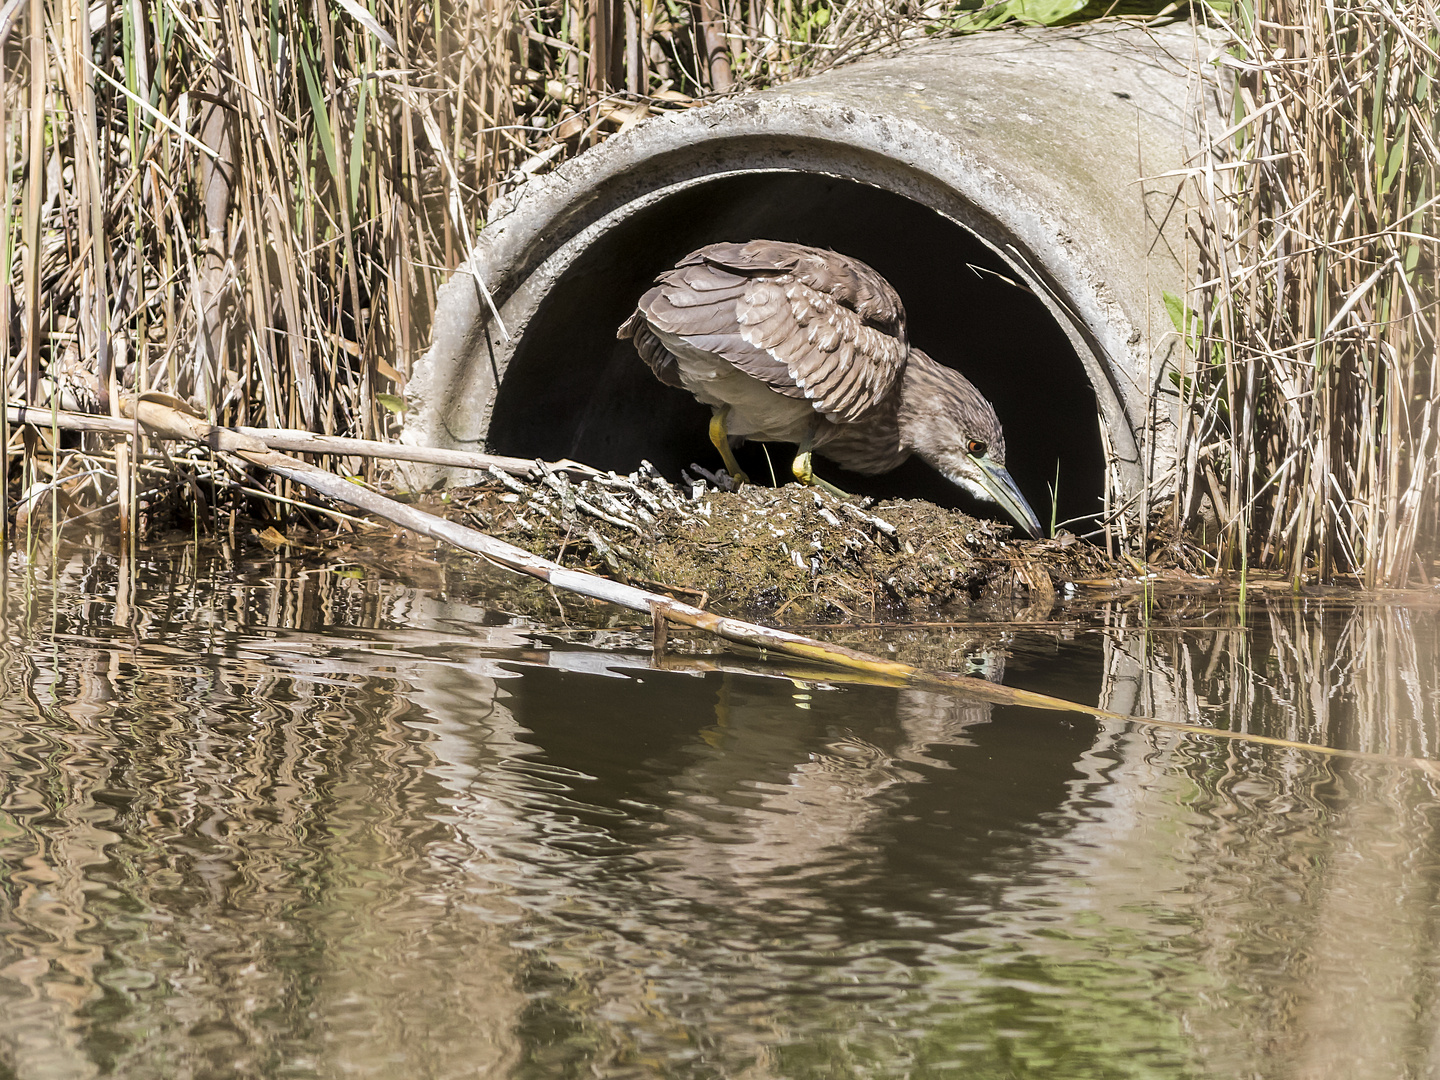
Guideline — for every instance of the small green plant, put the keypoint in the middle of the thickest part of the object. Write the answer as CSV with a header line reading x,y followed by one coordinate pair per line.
x,y
1054,498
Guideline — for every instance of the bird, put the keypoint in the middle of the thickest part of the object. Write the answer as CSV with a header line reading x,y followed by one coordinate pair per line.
x,y
795,344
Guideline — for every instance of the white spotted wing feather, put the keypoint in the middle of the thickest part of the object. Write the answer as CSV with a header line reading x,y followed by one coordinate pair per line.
x,y
806,323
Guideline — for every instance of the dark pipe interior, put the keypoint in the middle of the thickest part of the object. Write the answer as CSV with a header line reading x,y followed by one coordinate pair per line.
x,y
573,390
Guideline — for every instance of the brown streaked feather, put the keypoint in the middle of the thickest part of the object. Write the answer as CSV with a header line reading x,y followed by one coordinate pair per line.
x,y
698,303
853,396
807,323
827,367
689,320
870,446
848,281
652,350
827,346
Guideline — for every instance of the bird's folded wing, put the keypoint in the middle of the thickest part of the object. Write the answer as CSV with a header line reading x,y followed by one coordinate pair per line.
x,y
849,281
798,341
699,304
842,365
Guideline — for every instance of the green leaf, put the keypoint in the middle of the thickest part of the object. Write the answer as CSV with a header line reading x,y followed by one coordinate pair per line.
x,y
980,16
1187,322
321,114
1176,307
357,143
1392,165
1377,107
391,403
1043,12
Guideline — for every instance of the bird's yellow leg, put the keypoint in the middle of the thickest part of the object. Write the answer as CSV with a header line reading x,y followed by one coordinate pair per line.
x,y
721,438
805,472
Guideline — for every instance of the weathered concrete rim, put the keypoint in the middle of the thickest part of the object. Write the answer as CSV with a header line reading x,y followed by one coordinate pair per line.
x,y
813,126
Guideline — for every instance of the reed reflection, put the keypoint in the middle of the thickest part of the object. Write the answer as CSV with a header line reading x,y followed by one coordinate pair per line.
x,y
1314,885
290,821
215,865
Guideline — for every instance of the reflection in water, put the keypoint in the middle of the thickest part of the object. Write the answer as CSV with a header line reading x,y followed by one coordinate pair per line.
x,y
278,821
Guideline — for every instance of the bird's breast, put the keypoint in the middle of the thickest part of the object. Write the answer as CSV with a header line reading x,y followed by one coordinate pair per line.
x,y
871,445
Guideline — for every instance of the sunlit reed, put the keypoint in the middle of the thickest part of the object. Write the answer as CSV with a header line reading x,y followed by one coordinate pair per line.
x,y
1309,425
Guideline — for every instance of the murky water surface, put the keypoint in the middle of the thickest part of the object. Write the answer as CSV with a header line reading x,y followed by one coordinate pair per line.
x,y
289,819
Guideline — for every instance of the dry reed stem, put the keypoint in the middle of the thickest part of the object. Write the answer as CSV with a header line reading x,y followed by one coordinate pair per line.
x,y
1313,406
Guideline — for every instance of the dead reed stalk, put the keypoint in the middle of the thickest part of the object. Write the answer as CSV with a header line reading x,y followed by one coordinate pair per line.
x,y
1312,401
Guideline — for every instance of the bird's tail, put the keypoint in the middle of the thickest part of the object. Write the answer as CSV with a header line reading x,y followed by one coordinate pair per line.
x,y
631,325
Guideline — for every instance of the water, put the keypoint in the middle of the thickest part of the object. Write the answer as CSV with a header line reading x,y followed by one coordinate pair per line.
x,y
291,818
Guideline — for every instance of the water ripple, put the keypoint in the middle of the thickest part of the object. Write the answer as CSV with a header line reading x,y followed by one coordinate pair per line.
x,y
272,821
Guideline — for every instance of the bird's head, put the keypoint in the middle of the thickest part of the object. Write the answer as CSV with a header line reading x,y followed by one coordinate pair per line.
x,y
945,420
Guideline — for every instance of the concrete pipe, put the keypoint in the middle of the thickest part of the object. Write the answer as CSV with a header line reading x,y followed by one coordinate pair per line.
x,y
1018,188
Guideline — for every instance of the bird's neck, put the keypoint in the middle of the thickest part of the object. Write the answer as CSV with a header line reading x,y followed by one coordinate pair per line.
x,y
918,384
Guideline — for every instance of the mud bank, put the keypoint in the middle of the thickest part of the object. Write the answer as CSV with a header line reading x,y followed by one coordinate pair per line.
x,y
790,554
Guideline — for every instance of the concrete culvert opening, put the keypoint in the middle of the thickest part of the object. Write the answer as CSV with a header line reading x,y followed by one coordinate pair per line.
x,y
1020,190
572,390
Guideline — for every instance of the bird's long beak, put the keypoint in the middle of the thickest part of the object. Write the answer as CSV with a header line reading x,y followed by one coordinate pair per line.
x,y
1001,487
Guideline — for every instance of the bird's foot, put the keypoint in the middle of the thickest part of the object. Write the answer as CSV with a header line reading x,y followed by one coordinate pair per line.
x,y
721,439
805,473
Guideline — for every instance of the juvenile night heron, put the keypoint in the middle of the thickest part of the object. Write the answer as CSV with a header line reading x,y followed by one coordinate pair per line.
x,y
795,344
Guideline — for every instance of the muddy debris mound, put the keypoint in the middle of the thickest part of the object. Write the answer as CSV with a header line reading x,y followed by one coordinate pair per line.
x,y
791,554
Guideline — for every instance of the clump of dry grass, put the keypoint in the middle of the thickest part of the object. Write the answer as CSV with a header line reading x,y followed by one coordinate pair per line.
x,y
1311,424
237,201
251,203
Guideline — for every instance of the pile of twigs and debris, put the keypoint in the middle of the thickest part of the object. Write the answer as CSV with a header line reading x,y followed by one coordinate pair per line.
x,y
791,553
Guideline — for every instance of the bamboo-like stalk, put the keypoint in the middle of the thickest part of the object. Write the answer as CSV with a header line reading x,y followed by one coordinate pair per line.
x,y
1315,367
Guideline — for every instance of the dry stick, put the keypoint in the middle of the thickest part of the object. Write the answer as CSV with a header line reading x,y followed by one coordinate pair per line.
x,y
306,442
166,422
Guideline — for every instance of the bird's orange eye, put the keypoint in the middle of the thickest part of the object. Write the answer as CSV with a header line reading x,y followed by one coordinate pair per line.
x,y
975,448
